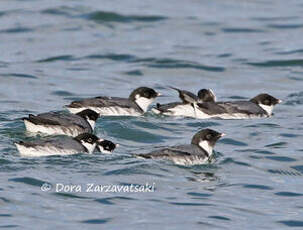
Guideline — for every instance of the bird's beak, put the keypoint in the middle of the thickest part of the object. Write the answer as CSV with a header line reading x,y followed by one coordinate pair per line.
x,y
222,134
100,140
159,94
279,101
117,145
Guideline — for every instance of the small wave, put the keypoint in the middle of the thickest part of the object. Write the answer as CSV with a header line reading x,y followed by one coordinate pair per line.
x,y
292,223
109,200
134,73
275,18
285,26
241,30
28,181
276,145
62,93
199,195
180,64
105,16
5,215
257,186
17,30
295,99
19,75
63,10
281,158
57,58
157,62
288,194
230,141
114,57
298,51
190,204
69,195
96,221
285,172
278,63
220,218
10,226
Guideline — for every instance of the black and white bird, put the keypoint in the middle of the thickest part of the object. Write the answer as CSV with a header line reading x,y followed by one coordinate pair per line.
x,y
188,106
200,151
135,105
106,146
260,106
61,145
57,123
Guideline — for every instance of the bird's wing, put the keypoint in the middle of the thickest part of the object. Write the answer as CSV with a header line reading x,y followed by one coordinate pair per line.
x,y
165,107
41,120
175,151
241,107
186,96
101,102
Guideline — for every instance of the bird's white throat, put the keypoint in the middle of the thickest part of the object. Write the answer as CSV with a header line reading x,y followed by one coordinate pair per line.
x,y
90,147
143,102
92,123
206,146
267,108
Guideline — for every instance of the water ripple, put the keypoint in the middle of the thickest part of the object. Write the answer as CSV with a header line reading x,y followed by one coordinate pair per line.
x,y
277,145
219,218
281,158
19,75
285,26
299,51
284,172
292,223
241,30
157,62
190,204
278,63
57,58
105,16
288,194
257,186
17,30
230,141
28,181
96,221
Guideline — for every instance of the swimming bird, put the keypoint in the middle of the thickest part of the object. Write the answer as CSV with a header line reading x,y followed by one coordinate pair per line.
x,y
200,151
61,145
57,123
135,105
260,106
106,146
188,106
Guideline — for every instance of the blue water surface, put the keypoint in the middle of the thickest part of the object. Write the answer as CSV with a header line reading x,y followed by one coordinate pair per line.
x,y
53,52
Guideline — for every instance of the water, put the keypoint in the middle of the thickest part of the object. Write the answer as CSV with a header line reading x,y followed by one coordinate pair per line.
x,y
53,52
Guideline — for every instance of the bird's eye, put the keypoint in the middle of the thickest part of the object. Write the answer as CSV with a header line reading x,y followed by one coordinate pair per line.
x,y
146,94
266,102
90,140
208,136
